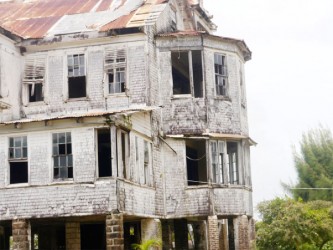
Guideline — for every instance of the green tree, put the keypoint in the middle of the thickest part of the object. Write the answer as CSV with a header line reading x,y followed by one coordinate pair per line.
x,y
295,225
314,166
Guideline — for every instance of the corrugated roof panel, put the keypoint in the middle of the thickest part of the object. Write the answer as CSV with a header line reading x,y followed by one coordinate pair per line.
x,y
39,18
105,5
118,23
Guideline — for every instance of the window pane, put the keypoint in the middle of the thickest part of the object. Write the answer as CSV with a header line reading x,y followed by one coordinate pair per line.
x,y
68,137
25,152
61,137
63,161
24,141
11,153
17,142
69,148
63,172
56,161
55,138
70,60
56,173
70,160
111,79
70,172
11,142
17,153
55,149
62,149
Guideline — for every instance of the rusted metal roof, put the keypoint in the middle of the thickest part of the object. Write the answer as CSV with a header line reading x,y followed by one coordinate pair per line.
x,y
43,18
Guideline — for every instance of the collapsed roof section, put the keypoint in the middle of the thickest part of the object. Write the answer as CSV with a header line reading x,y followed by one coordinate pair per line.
x,y
37,19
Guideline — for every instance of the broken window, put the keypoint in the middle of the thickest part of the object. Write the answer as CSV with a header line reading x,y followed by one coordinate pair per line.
x,y
187,73
196,162
221,76
123,153
147,166
232,151
34,77
217,151
115,68
76,76
62,156
104,152
18,160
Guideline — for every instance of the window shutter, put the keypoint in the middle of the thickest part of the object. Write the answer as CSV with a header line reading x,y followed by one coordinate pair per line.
x,y
114,58
34,72
34,69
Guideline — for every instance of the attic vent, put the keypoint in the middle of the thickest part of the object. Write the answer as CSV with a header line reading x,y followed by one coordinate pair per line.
x,y
34,77
115,69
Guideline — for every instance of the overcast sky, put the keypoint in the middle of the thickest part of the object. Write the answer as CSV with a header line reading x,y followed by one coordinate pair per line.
x,y
289,79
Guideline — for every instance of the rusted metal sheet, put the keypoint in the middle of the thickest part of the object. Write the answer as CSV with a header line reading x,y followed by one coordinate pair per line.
x,y
41,18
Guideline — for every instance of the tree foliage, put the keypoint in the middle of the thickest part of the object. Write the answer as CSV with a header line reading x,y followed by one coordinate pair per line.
x,y
314,166
147,245
295,225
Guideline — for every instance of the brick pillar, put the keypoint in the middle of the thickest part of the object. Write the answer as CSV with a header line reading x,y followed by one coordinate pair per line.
x,y
20,234
181,234
114,231
213,233
73,236
167,229
242,233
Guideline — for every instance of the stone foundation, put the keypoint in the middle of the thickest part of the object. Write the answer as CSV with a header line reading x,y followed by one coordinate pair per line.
x,y
114,232
20,234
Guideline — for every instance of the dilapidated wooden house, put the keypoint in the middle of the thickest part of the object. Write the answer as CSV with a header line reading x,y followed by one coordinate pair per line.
x,y
121,121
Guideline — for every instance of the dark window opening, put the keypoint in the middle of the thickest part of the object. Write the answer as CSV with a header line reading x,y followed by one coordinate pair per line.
x,y
18,164
132,234
93,236
5,236
180,73
196,162
36,92
123,153
231,234
77,87
18,172
197,73
104,153
76,76
45,237
187,73
233,162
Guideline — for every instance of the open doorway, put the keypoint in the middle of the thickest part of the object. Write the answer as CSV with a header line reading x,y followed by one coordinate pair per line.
x,y
196,162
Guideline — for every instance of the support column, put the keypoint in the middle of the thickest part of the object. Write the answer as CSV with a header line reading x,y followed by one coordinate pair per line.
x,y
20,234
213,233
151,229
167,229
181,234
73,236
199,232
252,233
115,231
242,233
224,244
